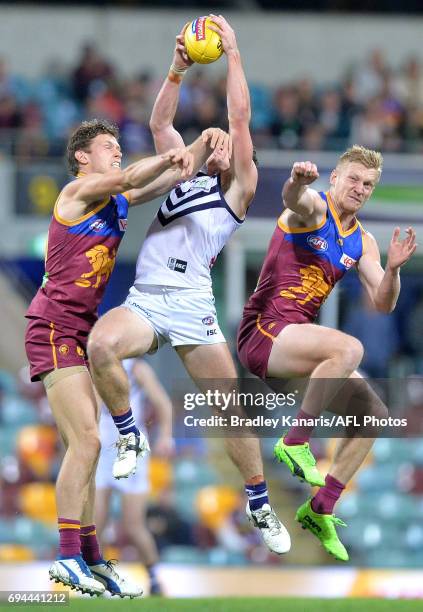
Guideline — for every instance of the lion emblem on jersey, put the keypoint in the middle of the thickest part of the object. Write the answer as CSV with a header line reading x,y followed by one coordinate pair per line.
x,y
102,263
313,286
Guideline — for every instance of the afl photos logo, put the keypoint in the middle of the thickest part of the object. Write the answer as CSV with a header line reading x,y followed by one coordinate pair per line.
x,y
317,243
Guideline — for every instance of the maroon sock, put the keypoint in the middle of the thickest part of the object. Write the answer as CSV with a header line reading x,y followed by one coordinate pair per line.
x,y
326,497
90,548
70,544
298,434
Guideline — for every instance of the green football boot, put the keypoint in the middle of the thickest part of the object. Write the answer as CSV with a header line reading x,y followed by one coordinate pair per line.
x,y
323,527
300,460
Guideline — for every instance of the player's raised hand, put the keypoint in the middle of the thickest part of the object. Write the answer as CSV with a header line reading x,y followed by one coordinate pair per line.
x,y
304,173
400,251
218,139
180,56
225,32
183,159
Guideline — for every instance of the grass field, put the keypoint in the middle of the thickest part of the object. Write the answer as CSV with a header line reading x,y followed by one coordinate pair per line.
x,y
409,194
234,604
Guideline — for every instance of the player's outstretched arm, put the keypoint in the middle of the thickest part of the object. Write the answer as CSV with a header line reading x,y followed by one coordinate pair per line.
x,y
164,109
95,187
296,193
383,286
239,115
200,150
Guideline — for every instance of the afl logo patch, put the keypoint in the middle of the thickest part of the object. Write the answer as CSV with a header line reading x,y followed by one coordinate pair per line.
x,y
318,243
63,349
123,224
208,320
97,225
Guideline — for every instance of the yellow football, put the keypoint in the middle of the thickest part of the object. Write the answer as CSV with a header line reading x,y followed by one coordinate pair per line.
x,y
202,44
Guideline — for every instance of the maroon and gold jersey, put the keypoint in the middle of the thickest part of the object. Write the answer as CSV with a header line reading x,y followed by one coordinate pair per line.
x,y
302,266
80,259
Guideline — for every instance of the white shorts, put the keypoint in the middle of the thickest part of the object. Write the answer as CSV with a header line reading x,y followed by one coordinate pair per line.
x,y
137,483
178,316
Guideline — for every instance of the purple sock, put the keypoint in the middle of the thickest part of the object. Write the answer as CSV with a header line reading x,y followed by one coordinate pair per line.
x,y
299,434
70,545
257,495
326,497
125,423
89,545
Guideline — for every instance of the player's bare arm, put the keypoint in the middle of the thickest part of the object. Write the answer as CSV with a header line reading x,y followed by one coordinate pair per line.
x,y
164,109
210,140
383,286
244,177
80,196
304,206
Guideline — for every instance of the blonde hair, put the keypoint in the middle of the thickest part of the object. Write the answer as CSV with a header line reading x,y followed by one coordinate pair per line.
x,y
361,155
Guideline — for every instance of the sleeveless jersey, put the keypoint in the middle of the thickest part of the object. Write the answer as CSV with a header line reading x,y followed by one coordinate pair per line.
x,y
191,227
79,261
137,400
302,266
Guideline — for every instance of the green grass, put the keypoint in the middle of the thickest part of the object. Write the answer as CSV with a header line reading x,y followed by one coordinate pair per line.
x,y
399,193
236,604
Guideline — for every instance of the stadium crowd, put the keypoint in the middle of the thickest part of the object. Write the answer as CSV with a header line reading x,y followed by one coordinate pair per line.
x,y
373,103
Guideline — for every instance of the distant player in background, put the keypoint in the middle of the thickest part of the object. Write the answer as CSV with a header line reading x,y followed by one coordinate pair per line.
x,y
88,224
172,299
145,387
316,241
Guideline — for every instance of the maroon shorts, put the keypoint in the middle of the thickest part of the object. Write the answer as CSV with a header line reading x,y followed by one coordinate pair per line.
x,y
49,347
256,335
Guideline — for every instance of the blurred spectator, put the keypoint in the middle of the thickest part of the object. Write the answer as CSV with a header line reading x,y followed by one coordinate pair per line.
x,y
371,104
167,526
367,126
369,76
408,83
286,125
10,115
92,70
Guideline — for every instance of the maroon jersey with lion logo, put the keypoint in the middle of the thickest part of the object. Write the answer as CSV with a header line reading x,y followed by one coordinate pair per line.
x,y
80,259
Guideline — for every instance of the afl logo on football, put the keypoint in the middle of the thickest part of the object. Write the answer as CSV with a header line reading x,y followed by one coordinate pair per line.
x,y
199,27
208,320
318,243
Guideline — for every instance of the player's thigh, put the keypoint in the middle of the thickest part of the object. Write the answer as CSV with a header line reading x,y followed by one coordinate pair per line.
x,y
207,360
210,366
74,406
123,331
299,348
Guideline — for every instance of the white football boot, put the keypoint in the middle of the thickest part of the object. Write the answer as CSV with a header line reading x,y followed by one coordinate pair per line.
x,y
75,573
129,447
274,533
115,582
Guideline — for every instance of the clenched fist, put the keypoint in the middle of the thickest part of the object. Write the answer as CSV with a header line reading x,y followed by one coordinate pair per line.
x,y
304,173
